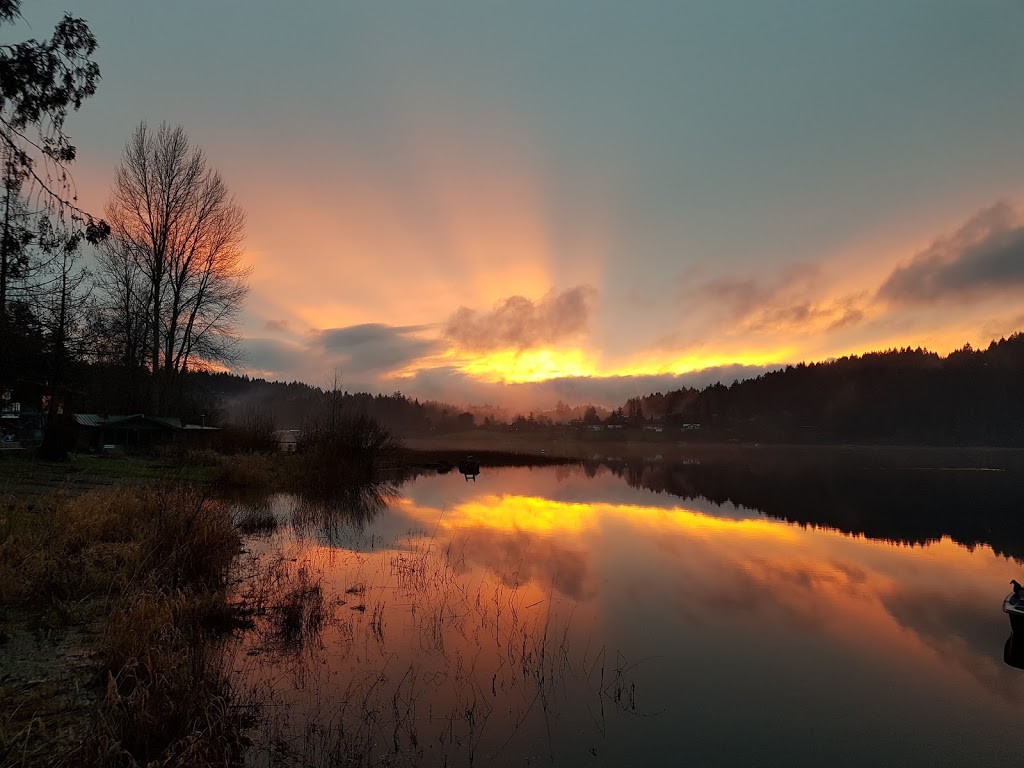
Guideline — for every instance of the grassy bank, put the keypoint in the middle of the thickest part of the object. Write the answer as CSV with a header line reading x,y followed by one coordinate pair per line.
x,y
108,600
113,607
23,474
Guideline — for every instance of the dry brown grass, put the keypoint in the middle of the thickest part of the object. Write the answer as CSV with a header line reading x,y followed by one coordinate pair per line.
x,y
143,569
251,471
168,698
68,547
65,547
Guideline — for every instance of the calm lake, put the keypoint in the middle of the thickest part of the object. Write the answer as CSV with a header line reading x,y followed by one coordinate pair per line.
x,y
654,613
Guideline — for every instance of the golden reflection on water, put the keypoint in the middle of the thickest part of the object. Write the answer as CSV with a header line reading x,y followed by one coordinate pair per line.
x,y
768,557
506,610
940,601
539,515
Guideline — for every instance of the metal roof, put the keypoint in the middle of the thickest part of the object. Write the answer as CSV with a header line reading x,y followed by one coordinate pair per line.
x,y
124,420
98,420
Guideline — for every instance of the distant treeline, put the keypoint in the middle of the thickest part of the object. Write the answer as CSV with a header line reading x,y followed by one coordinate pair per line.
x,y
904,396
220,399
227,398
970,397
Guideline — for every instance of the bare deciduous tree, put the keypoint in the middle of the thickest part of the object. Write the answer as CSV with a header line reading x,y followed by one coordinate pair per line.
x,y
62,306
123,298
176,248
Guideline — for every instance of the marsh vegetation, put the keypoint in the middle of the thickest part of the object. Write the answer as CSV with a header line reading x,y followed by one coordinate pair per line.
x,y
123,589
552,613
368,651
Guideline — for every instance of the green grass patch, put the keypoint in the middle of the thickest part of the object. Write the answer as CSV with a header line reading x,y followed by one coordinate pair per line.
x,y
131,467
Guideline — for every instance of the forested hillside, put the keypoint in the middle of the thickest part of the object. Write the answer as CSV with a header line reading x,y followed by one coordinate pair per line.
x,y
900,396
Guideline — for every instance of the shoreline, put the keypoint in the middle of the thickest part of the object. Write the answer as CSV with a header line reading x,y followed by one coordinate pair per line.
x,y
74,539
554,450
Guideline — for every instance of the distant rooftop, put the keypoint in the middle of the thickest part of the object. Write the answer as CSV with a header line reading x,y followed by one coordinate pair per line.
x,y
126,420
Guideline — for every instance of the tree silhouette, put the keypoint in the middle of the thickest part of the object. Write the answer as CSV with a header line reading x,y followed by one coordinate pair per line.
x,y
177,241
40,82
898,396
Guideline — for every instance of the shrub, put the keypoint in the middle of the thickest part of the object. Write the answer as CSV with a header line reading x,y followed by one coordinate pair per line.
x,y
256,433
345,448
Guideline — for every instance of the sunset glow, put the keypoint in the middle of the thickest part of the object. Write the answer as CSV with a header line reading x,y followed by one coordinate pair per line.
x,y
567,384
528,365
737,229
775,329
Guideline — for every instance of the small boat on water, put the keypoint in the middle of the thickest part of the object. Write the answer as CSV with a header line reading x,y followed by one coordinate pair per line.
x,y
1013,607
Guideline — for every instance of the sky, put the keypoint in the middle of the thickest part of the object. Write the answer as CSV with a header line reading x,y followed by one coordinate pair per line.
x,y
516,203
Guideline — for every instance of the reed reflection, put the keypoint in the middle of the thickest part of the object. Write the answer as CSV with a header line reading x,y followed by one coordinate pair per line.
x,y
333,514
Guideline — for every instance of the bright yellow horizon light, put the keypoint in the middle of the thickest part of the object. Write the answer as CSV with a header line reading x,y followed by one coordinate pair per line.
x,y
515,366
531,366
528,365
651,365
509,366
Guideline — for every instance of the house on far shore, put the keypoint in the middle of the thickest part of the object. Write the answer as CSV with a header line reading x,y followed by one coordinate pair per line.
x,y
102,433
287,440
199,436
21,429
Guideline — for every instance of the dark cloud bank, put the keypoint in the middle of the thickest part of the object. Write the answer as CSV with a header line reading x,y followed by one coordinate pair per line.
x,y
984,256
281,357
375,347
356,350
612,391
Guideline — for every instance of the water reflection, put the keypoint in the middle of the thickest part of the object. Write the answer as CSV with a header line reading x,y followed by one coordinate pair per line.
x,y
567,615
907,504
332,515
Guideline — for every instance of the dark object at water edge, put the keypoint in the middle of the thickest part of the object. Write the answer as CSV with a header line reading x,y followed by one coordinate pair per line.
x,y
1013,607
1013,652
469,468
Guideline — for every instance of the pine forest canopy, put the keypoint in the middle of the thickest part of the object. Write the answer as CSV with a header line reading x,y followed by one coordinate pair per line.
x,y
906,396
42,287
